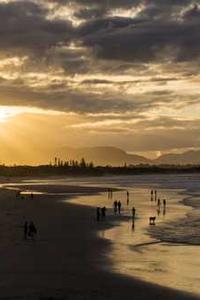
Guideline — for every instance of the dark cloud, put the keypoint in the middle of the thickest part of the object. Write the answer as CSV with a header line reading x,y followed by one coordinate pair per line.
x,y
124,39
24,25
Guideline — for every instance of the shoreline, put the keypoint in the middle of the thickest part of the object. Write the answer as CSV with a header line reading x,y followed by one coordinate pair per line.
x,y
79,253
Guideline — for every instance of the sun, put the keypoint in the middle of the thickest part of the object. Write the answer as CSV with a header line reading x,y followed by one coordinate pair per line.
x,y
6,112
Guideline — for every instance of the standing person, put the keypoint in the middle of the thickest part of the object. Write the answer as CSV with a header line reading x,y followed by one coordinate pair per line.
x,y
133,224
98,214
133,212
151,195
119,207
103,212
127,198
158,202
164,203
115,206
25,229
32,231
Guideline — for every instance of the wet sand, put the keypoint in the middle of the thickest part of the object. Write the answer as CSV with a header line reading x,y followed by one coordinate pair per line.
x,y
63,262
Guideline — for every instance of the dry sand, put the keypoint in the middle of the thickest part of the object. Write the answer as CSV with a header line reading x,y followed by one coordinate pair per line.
x,y
64,261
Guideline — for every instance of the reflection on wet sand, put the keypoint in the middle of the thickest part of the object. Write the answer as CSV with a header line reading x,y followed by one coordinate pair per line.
x,y
135,252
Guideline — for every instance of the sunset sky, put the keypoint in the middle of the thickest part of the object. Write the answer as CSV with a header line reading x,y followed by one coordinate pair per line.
x,y
121,73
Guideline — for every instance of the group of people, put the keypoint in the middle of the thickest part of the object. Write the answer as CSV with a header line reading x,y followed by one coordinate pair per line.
x,y
154,196
30,230
101,213
117,205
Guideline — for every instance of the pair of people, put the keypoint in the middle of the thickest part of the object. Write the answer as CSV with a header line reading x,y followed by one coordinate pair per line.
x,y
30,230
117,206
101,212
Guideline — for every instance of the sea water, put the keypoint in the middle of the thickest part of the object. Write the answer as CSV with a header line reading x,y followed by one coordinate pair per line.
x,y
166,254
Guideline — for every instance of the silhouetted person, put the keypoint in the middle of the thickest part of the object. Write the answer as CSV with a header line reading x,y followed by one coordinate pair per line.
x,y
103,212
25,230
127,198
98,213
133,212
111,193
119,207
151,195
32,231
164,202
115,206
133,224
158,202
164,211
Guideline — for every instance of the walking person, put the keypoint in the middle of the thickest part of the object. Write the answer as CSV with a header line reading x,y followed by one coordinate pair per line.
x,y
115,206
151,195
133,212
127,198
32,231
103,212
111,193
98,214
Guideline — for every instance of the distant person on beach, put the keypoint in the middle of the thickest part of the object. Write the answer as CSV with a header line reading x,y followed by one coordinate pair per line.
x,y
133,224
119,207
111,193
25,230
151,195
32,231
98,213
103,212
115,206
164,202
127,198
133,212
158,203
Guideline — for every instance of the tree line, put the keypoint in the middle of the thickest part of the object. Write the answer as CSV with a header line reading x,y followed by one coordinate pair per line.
x,y
82,168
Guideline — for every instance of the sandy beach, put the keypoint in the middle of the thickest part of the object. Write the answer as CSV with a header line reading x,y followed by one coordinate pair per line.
x,y
63,262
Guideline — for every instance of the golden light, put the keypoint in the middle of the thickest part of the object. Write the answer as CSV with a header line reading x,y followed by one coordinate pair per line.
x,y
6,112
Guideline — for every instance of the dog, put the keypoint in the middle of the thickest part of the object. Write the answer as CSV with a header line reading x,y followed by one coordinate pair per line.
x,y
152,220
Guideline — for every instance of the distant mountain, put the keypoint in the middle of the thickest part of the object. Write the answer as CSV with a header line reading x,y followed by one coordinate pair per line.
x,y
189,157
102,156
